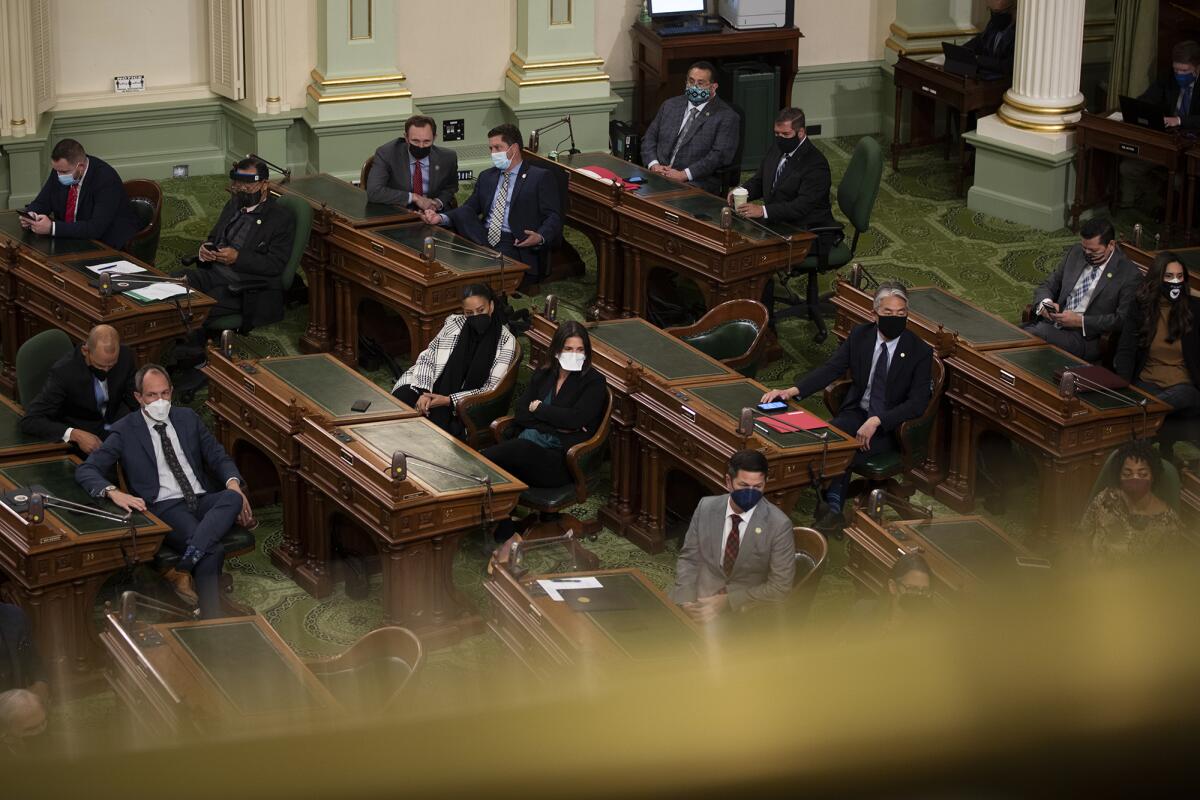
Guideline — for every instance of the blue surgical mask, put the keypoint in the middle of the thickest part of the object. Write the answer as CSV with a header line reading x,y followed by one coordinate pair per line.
x,y
696,95
1184,79
500,160
67,179
745,499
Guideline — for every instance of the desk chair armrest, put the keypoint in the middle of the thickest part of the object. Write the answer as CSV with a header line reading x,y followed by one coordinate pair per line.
x,y
835,394
499,426
479,410
243,285
577,455
1027,315
914,434
822,253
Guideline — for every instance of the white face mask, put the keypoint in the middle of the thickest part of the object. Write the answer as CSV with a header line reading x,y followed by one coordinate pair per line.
x,y
159,410
571,362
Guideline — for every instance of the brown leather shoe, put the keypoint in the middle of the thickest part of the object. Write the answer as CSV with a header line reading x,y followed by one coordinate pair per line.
x,y
184,588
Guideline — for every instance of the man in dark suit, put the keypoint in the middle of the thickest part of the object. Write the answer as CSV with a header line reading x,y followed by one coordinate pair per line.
x,y
515,208
412,171
1178,97
83,198
252,239
693,135
890,368
170,459
85,392
793,180
997,42
1088,295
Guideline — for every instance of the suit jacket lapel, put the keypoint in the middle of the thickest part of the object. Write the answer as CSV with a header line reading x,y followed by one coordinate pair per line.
x,y
406,166
140,430
748,542
715,525
520,179
700,120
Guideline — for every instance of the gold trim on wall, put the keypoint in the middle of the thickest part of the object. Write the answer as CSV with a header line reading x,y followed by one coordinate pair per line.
x,y
1046,110
939,34
521,63
322,80
349,98
512,76
370,20
1037,127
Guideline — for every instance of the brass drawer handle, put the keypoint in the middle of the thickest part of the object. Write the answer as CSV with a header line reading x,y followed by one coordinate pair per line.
x,y
346,456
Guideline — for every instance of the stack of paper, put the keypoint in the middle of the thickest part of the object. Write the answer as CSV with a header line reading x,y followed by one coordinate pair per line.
x,y
156,291
121,267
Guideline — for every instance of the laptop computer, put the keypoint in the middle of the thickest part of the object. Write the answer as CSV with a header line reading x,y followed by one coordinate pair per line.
x,y
1139,112
960,60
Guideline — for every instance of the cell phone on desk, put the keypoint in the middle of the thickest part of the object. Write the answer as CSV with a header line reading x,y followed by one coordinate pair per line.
x,y
777,405
635,179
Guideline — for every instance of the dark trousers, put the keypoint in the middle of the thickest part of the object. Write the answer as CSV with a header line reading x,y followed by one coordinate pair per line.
x,y
1181,423
442,416
524,255
850,420
203,529
1069,339
214,281
540,467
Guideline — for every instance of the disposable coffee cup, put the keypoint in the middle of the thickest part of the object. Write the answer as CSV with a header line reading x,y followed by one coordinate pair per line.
x,y
740,195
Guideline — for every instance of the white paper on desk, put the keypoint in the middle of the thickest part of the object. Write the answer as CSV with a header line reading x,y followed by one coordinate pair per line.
x,y
590,174
939,59
1117,115
157,291
121,267
552,587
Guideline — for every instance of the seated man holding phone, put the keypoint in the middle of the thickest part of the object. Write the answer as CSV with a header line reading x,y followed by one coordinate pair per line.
x,y
252,238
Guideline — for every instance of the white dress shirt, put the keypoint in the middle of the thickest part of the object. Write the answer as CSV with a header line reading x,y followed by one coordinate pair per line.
x,y
168,487
744,516
865,403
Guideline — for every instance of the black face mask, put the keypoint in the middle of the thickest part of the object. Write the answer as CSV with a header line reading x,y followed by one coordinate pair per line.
x,y
480,322
1171,291
101,374
247,199
1096,260
419,152
891,327
786,144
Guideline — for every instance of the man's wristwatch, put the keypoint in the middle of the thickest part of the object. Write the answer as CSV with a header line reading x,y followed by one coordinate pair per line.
x,y
104,492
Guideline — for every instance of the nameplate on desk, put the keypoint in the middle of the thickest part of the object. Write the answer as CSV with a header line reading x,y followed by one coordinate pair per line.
x,y
1008,378
927,90
50,539
1125,147
672,217
687,412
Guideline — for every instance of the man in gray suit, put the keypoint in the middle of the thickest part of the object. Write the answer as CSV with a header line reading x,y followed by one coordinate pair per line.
x,y
412,171
739,553
693,135
1088,295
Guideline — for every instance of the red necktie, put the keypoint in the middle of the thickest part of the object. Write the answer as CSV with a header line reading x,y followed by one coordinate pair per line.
x,y
731,545
72,199
418,184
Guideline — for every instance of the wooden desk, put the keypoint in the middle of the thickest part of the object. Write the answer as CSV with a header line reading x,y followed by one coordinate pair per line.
x,y
44,283
416,523
362,253
630,353
1011,390
211,677
670,226
16,446
551,639
964,553
660,63
258,405
1096,132
55,568
931,84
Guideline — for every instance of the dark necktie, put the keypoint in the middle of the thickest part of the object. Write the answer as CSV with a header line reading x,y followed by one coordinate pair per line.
x,y
1185,101
683,132
189,493
418,183
876,405
731,545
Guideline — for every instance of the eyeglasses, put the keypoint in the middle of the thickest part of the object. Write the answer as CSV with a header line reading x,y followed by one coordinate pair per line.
x,y
700,84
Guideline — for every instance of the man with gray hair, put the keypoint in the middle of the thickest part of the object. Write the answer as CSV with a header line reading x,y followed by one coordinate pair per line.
x,y
170,461
890,368
22,715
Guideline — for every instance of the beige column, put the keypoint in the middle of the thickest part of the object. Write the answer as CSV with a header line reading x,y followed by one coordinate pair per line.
x,y
19,111
265,56
1045,94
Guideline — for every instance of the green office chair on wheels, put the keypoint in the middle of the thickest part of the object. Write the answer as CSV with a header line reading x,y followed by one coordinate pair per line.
x,y
732,333
856,196
35,357
886,470
146,200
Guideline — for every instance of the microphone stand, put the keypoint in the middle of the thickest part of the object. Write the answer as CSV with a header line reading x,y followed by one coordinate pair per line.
x,y
1069,385
517,551
535,137
284,171
878,498
124,283
399,471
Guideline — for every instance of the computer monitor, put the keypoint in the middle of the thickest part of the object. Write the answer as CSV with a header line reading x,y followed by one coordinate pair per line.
x,y
672,8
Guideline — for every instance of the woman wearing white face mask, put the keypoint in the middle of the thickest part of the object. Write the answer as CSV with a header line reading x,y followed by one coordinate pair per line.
x,y
562,406
1159,349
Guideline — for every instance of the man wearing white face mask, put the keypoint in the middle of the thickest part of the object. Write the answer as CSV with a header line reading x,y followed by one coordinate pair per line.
x,y
169,459
515,208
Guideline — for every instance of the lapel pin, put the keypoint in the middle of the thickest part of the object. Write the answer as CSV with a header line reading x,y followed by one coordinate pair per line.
x,y
1110,274
902,355
757,531
258,222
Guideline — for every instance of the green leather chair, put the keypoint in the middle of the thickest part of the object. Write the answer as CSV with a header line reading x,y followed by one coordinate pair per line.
x,y
915,437
303,214
479,411
35,356
856,196
583,462
1167,484
732,333
146,199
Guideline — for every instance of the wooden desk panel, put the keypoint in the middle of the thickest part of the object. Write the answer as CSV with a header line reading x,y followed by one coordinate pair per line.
x,y
16,446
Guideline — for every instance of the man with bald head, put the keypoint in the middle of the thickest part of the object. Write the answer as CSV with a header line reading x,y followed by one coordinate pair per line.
x,y
85,392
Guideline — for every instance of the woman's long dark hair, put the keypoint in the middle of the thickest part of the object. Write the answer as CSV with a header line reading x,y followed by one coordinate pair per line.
x,y
565,331
1149,300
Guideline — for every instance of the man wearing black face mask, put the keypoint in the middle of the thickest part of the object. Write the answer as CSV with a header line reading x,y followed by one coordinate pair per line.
x,y
414,172
739,553
252,237
470,355
890,367
85,392
1088,295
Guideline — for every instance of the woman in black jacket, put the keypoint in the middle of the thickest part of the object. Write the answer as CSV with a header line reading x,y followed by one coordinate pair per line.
x,y
1159,348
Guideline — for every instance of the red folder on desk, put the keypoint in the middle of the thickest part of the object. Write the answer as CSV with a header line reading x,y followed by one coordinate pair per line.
x,y
793,421
608,174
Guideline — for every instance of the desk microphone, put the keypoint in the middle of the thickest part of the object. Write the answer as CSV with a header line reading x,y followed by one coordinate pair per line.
x,y
760,226
551,310
859,274
746,423
1068,387
879,499
227,344
399,472
124,283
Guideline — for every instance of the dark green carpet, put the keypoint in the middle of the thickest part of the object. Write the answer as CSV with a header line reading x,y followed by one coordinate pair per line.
x,y
920,234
